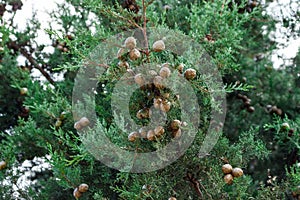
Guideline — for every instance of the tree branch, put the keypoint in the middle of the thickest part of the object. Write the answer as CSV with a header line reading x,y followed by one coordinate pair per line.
x,y
29,57
195,184
120,17
145,28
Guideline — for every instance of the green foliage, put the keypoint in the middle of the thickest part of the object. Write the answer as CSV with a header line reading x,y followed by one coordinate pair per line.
x,y
285,133
41,122
237,87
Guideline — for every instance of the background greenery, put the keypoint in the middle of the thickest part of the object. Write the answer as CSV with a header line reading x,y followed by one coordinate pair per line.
x,y
236,34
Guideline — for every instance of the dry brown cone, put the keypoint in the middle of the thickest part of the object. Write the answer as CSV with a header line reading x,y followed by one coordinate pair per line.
x,y
165,72
159,131
151,135
2,165
237,172
130,43
228,178
165,106
133,136
159,46
190,74
177,134
227,169
134,54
